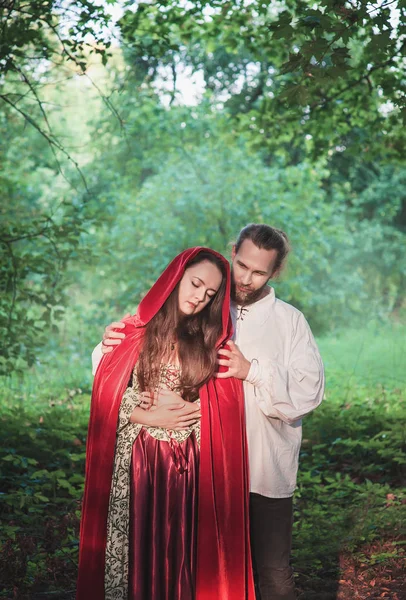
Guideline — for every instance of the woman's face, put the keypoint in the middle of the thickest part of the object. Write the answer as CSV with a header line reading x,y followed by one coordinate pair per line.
x,y
198,286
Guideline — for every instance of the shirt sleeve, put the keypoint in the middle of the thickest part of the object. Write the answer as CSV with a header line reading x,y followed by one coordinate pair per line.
x,y
97,355
290,392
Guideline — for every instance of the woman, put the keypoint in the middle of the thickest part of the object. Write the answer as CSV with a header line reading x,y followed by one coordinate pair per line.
x,y
140,536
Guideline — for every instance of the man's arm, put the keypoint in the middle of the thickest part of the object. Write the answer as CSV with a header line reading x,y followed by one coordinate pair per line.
x,y
97,355
289,393
285,393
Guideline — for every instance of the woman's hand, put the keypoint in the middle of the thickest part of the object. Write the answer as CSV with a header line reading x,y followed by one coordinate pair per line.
x,y
177,416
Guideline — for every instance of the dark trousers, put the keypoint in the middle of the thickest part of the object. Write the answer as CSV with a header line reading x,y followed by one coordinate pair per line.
x,y
271,521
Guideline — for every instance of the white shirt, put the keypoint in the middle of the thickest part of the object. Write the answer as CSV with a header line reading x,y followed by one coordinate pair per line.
x,y
285,383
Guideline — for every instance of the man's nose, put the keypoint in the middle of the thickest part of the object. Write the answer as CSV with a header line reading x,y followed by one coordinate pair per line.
x,y
246,278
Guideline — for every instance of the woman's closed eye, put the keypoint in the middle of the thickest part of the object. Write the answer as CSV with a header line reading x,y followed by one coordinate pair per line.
x,y
209,293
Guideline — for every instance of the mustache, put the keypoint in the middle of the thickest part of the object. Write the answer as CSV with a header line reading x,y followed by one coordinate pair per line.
x,y
250,295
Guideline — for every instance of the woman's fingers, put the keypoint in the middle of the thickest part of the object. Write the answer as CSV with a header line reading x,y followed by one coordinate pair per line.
x,y
111,337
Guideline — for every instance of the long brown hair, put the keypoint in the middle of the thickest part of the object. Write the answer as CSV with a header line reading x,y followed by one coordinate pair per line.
x,y
196,337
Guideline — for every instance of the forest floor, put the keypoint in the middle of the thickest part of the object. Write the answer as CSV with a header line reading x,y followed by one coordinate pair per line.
x,y
355,580
359,580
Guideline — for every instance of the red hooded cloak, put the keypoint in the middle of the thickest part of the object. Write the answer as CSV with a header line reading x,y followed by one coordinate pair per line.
x,y
223,550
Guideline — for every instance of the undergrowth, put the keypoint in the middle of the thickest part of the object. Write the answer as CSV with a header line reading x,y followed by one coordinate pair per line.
x,y
350,489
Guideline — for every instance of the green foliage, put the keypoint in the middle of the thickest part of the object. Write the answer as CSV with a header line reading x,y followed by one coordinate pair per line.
x,y
105,176
38,31
45,207
35,39
44,198
351,476
352,472
41,222
327,70
42,467
335,515
355,437
145,177
205,195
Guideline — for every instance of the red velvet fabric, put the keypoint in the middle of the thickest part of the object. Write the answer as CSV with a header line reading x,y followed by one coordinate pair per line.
x,y
223,552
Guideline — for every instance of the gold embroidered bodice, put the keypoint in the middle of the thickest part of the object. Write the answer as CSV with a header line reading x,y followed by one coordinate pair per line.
x,y
169,378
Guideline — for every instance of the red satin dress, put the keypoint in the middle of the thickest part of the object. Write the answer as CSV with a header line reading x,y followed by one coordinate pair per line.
x,y
162,507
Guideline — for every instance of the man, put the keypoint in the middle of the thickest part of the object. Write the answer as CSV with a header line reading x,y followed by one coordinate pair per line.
x,y
277,358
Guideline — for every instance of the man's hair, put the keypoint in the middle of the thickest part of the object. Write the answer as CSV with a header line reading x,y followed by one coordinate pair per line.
x,y
268,238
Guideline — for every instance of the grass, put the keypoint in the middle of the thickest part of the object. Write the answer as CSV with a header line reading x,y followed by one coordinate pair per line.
x,y
350,501
375,355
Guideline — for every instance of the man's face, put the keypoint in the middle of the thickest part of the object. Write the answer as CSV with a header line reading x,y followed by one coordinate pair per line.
x,y
252,267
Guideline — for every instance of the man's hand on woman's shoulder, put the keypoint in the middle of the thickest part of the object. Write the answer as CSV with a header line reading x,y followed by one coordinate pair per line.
x,y
111,337
232,358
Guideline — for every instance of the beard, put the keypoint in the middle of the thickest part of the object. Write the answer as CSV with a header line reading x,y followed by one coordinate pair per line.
x,y
245,298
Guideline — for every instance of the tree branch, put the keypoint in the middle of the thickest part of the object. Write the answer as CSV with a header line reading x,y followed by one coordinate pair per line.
x,y
27,236
327,99
14,285
52,142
